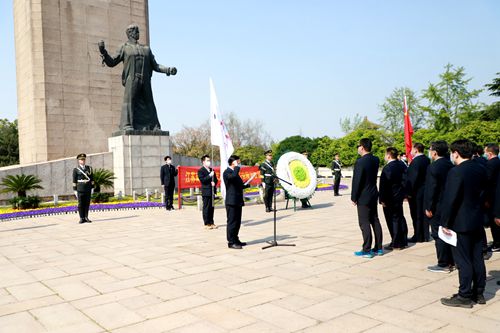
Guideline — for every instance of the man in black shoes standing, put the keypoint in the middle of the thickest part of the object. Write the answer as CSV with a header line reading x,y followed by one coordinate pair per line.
x,y
234,201
364,196
267,172
392,194
435,180
337,174
167,174
83,187
462,213
493,170
208,181
415,183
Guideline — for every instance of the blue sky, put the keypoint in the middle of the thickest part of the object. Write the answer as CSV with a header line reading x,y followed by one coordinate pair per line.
x,y
299,66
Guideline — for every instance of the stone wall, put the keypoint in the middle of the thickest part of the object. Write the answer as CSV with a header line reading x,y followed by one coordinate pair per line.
x,y
67,101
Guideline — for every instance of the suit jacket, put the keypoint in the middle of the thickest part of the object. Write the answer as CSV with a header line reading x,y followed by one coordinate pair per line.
x,y
167,175
336,167
415,177
206,182
392,183
234,187
267,168
83,182
492,172
435,181
462,202
481,160
497,198
364,180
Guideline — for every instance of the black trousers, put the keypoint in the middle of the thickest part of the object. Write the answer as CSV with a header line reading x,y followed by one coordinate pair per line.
x,y
468,255
268,196
84,204
420,223
233,223
396,223
169,197
368,220
336,183
443,249
208,211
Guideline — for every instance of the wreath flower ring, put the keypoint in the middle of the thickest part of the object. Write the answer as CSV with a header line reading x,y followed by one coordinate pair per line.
x,y
296,169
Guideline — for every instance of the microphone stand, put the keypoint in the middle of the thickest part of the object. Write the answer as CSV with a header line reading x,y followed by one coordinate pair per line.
x,y
274,242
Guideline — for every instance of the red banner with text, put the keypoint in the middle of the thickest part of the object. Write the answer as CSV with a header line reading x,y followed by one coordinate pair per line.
x,y
188,176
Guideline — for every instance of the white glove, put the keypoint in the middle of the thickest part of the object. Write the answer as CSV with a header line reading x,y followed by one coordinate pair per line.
x,y
211,174
91,191
76,194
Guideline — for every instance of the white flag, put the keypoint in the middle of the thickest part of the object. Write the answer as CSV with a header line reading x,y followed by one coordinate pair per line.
x,y
219,135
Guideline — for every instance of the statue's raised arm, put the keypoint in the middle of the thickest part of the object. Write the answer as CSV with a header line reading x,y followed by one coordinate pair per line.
x,y
138,109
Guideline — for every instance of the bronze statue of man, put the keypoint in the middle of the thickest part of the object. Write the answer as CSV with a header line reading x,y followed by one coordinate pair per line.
x,y
138,109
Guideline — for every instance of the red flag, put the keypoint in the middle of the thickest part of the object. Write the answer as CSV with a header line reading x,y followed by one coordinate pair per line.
x,y
408,131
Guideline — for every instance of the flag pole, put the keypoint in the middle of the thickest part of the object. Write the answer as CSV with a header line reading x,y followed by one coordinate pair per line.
x,y
213,187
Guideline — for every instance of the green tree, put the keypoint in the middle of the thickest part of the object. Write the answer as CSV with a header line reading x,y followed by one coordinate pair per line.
x,y
450,101
494,87
295,143
9,143
103,178
349,124
20,184
393,114
250,155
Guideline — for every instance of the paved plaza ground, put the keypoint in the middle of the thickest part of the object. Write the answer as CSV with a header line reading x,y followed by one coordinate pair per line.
x,y
155,271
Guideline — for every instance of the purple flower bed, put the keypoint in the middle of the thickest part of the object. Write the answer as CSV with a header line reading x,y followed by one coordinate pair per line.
x,y
74,209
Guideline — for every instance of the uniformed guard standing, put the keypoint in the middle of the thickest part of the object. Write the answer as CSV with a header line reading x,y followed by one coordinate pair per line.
x,y
337,174
168,173
83,186
267,172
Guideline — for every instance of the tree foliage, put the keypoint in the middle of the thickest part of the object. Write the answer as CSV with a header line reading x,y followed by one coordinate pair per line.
x,y
494,87
393,114
20,184
9,143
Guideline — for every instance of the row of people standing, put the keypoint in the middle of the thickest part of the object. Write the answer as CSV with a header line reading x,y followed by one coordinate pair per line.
x,y
456,192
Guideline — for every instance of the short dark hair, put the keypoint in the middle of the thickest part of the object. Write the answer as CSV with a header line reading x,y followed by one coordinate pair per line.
x,y
419,147
232,158
166,158
366,144
393,152
204,157
336,154
464,148
440,147
492,148
478,149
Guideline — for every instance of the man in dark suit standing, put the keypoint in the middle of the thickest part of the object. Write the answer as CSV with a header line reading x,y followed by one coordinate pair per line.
x,y
83,187
234,201
435,181
364,196
337,174
267,172
415,183
167,174
208,180
462,213
493,170
392,194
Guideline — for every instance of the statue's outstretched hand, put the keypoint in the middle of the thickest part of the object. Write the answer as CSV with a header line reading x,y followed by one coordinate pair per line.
x,y
171,71
102,48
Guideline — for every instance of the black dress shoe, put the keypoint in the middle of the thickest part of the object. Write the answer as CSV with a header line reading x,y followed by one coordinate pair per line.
x,y
268,210
242,243
234,246
87,220
479,299
457,301
412,239
82,221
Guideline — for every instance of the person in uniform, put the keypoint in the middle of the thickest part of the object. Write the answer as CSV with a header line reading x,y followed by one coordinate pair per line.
x,y
234,201
337,174
305,202
168,173
462,212
435,180
392,194
83,187
415,184
267,173
208,180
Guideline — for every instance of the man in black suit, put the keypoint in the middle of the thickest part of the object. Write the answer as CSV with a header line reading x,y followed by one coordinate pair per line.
x,y
364,196
415,183
493,170
462,213
392,194
83,187
234,201
208,180
167,175
337,174
435,181
267,173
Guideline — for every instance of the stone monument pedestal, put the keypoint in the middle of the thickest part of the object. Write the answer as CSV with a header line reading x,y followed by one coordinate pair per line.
x,y
137,159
